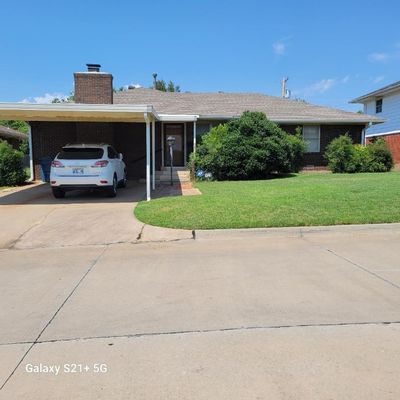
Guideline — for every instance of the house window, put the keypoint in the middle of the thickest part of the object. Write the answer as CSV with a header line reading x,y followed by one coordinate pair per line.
x,y
201,129
378,106
311,135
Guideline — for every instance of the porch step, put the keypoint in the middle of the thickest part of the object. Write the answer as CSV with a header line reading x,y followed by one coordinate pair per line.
x,y
164,176
177,175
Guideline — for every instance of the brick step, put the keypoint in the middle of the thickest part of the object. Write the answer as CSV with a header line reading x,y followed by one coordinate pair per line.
x,y
174,173
175,178
179,174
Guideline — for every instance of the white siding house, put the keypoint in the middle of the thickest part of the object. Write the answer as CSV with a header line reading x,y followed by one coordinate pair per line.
x,y
385,104
390,113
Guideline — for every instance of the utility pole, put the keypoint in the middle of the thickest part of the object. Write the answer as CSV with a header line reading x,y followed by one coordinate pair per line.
x,y
284,80
155,80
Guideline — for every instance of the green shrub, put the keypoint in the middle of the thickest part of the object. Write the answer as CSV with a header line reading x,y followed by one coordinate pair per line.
x,y
340,154
250,147
298,148
382,160
361,159
343,156
11,166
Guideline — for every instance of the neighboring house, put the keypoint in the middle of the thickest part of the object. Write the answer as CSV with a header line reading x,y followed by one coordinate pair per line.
x,y
138,121
384,103
13,137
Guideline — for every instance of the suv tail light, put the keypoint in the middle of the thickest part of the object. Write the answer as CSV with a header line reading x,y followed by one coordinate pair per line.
x,y
100,164
57,164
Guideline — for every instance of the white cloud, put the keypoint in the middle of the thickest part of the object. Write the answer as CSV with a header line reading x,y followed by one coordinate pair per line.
x,y
132,85
345,79
279,48
320,87
47,98
378,79
379,57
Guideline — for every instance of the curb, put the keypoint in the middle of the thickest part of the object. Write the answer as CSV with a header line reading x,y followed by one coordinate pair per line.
x,y
392,228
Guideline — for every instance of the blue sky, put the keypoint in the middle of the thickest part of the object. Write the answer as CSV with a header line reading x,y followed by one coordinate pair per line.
x,y
331,51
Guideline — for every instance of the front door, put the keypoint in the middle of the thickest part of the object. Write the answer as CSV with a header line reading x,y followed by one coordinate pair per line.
x,y
178,132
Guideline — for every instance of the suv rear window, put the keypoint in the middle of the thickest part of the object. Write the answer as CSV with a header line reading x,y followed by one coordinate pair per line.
x,y
88,153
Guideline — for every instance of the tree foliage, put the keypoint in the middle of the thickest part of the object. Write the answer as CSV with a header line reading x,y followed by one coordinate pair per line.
x,y
68,99
20,126
11,165
167,87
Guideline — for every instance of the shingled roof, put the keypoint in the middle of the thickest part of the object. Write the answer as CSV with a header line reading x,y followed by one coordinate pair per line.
x,y
230,105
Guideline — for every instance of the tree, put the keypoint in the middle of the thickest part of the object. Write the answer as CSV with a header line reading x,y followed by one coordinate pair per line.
x,y
68,99
160,84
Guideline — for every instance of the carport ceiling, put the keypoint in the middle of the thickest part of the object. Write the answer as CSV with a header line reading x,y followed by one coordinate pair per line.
x,y
77,112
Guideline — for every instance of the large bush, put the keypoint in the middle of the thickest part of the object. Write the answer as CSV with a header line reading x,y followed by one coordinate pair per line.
x,y
250,147
11,166
343,156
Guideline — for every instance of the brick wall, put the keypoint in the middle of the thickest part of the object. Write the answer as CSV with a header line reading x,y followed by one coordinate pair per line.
x,y
128,138
328,133
93,88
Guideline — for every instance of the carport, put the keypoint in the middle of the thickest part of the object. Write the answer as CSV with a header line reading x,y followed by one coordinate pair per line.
x,y
75,121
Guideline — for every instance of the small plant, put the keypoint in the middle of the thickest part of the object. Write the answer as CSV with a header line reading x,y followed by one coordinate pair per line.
x,y
344,156
12,171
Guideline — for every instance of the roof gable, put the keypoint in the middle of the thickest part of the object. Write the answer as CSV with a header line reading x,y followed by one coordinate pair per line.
x,y
393,87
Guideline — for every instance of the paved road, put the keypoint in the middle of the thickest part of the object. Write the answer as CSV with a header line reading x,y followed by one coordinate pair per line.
x,y
277,314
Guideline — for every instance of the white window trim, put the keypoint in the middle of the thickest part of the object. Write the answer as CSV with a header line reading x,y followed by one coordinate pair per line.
x,y
319,138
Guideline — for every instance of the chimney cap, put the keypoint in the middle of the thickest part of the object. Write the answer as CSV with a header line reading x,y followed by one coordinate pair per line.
x,y
93,67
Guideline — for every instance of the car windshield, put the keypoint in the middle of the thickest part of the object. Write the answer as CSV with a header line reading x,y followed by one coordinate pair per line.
x,y
79,153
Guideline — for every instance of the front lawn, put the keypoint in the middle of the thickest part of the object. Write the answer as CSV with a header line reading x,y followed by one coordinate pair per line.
x,y
300,200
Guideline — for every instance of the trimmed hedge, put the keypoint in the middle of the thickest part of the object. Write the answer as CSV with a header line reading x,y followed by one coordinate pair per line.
x,y
11,165
344,156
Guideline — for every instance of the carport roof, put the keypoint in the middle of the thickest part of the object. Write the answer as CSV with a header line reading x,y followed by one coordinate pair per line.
x,y
77,112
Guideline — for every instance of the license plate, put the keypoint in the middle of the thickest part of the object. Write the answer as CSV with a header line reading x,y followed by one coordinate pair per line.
x,y
77,171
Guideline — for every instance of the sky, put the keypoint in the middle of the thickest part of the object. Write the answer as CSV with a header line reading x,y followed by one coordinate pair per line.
x,y
331,51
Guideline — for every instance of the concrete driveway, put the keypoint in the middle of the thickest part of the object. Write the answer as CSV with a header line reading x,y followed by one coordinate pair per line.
x,y
263,314
34,218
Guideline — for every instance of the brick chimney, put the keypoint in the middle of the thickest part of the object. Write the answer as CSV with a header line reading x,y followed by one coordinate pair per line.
x,y
93,86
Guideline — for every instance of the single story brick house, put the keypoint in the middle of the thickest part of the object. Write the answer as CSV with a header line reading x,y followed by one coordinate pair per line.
x,y
137,122
384,103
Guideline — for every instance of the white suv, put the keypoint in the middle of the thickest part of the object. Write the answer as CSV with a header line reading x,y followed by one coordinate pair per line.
x,y
87,166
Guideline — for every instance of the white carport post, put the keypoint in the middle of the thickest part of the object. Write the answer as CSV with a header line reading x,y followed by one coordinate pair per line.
x,y
148,176
194,136
153,150
30,153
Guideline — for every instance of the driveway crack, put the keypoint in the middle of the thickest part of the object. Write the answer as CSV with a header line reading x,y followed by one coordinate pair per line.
x,y
14,243
359,266
93,264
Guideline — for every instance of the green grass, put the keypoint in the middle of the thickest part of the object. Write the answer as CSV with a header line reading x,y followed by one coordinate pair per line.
x,y
300,200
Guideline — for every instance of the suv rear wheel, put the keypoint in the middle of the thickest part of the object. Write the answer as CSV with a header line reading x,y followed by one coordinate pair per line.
x,y
122,184
112,192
